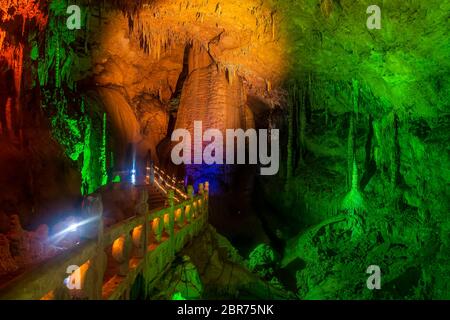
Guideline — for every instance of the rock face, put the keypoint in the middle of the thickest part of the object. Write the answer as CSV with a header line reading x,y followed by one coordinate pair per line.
x,y
214,270
210,95
7,263
20,248
154,122
125,126
182,278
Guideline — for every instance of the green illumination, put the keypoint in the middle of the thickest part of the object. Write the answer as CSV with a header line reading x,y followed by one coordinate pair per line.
x,y
86,185
178,296
34,54
365,166
66,129
103,153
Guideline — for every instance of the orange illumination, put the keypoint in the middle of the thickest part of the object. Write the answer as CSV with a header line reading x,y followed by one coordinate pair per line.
x,y
167,220
49,296
81,272
118,249
155,225
137,235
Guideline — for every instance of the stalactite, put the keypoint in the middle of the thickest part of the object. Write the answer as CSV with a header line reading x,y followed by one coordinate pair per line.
x,y
57,62
355,85
111,161
310,90
272,16
395,153
289,165
303,117
350,151
297,109
369,162
354,175
268,86
103,153
86,174
13,55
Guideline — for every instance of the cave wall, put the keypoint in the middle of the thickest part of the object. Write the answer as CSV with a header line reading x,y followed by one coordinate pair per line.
x,y
38,180
363,115
367,124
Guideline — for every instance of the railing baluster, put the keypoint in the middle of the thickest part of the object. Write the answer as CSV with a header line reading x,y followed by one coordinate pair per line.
x,y
121,253
157,227
199,203
140,233
206,201
190,210
179,217
171,201
96,266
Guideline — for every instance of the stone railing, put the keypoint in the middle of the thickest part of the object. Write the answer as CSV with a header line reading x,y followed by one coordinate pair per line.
x,y
157,176
106,264
166,182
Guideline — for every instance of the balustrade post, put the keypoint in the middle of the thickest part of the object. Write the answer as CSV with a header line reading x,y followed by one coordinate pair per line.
x,y
179,217
140,233
93,283
157,226
147,171
121,250
206,200
190,192
170,198
152,172
199,207
206,187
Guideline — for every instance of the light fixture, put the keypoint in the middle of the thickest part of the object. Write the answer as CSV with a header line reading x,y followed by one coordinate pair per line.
x,y
133,176
72,227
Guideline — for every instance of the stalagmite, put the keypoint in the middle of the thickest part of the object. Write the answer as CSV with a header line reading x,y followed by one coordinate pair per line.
x,y
7,263
27,247
268,85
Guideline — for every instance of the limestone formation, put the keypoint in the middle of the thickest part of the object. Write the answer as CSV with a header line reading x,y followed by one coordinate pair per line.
x,y
19,242
7,263
28,247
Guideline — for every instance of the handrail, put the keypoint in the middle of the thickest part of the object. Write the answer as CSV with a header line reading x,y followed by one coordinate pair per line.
x,y
134,242
169,182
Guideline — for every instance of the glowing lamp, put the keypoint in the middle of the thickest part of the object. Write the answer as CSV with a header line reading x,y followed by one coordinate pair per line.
x,y
73,227
133,176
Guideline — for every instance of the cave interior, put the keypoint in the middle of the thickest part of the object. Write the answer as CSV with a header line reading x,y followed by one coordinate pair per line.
x,y
363,118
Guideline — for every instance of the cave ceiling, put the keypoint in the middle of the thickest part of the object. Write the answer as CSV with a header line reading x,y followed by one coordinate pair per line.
x,y
268,42
143,51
